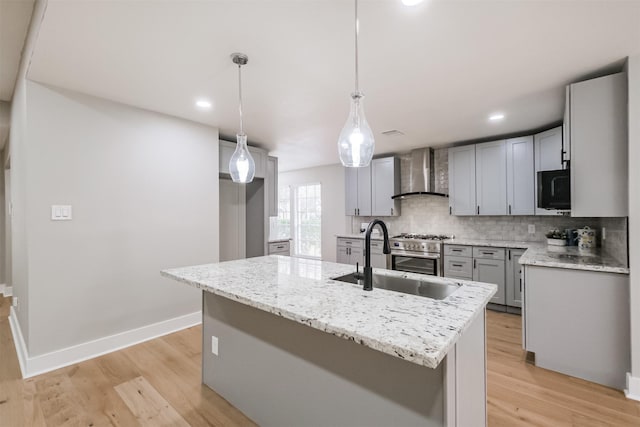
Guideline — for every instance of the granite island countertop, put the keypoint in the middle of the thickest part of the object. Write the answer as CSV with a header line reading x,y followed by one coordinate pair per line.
x,y
417,329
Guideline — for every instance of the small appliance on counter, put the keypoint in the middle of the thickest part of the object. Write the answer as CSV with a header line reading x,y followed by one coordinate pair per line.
x,y
572,236
587,239
363,227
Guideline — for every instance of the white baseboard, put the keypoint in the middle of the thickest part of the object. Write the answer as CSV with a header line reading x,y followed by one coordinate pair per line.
x,y
36,365
633,387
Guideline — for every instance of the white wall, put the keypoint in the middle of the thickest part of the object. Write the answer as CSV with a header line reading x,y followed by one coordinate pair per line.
x,y
334,220
633,70
144,191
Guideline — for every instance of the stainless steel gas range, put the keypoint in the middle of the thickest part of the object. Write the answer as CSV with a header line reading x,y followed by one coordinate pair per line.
x,y
418,253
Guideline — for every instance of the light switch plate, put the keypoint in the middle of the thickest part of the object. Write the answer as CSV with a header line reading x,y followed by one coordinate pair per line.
x,y
61,213
532,229
214,345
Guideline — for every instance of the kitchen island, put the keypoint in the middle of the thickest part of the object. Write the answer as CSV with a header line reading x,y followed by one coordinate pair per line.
x,y
287,345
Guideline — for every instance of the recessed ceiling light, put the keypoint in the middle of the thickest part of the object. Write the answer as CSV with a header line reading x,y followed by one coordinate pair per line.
x,y
203,103
411,2
496,117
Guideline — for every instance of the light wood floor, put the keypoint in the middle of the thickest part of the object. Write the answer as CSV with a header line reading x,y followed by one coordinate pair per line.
x,y
157,383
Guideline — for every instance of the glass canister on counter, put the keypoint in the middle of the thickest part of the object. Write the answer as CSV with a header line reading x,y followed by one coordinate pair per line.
x,y
586,239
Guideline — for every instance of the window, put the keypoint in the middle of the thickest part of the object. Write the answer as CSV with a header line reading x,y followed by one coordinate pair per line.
x,y
307,221
281,225
299,217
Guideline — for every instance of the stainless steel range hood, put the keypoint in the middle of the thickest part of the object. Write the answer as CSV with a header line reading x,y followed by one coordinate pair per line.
x,y
421,175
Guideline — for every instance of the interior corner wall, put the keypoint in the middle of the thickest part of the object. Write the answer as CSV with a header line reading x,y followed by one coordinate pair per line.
x,y
334,220
144,194
633,70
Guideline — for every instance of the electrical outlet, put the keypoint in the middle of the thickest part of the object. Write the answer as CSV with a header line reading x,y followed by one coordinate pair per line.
x,y
14,302
532,229
214,345
604,233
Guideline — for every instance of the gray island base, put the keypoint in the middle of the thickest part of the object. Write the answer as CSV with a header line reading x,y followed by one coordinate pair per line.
x,y
281,365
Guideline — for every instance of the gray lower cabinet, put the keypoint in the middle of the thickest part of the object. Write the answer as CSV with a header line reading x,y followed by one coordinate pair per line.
x,y
577,322
350,251
514,278
378,258
491,271
279,248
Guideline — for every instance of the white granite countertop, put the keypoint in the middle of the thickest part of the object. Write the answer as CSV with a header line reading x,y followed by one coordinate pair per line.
x,y
571,257
510,244
418,329
359,236
278,240
538,253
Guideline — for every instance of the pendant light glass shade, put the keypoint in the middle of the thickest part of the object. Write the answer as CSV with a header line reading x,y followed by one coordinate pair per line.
x,y
356,143
242,168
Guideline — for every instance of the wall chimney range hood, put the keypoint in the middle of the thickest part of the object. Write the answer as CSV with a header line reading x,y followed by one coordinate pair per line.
x,y
421,175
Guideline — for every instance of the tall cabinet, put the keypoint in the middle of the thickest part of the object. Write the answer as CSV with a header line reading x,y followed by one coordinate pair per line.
x,y
491,178
462,180
358,191
520,176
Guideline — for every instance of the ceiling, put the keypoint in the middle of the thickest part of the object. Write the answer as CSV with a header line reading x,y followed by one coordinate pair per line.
x,y
15,16
434,71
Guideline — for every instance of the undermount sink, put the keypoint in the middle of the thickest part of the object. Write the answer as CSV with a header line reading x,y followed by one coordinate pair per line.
x,y
422,288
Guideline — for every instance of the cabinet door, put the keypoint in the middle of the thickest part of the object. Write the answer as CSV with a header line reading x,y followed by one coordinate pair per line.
x,y
225,152
357,256
491,271
547,147
272,185
462,180
385,183
343,255
378,258
514,282
599,147
364,191
351,191
520,176
491,178
566,127
260,159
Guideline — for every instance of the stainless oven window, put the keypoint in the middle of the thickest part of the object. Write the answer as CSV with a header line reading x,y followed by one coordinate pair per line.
x,y
415,265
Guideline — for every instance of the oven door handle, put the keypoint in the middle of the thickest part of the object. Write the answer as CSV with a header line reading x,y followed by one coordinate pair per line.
x,y
415,255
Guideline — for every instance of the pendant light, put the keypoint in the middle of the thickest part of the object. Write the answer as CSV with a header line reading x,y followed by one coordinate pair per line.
x,y
242,168
356,143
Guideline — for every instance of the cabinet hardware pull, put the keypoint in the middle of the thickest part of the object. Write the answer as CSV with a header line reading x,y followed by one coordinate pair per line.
x,y
391,211
478,210
509,255
449,210
509,209
521,286
456,265
474,263
488,253
456,250
279,247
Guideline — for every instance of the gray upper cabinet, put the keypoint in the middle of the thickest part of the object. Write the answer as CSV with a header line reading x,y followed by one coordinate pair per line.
x,y
226,151
548,154
520,176
462,180
358,191
599,147
385,183
514,278
272,185
491,178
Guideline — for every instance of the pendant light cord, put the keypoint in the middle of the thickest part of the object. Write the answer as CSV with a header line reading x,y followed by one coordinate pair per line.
x,y
357,26
240,97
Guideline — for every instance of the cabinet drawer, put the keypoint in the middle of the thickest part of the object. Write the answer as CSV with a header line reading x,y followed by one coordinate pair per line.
x,y
377,247
351,243
488,253
279,247
458,250
458,267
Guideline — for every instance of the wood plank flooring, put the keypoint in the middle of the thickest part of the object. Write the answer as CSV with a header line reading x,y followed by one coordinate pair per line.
x,y
158,383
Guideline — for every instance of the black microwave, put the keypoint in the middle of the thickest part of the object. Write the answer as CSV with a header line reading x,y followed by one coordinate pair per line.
x,y
554,189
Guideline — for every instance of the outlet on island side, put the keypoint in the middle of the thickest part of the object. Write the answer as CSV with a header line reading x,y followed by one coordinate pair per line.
x,y
214,345
532,229
604,233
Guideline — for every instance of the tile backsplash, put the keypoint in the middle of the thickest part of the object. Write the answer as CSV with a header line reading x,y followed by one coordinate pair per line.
x,y
430,214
